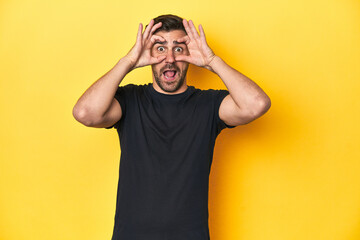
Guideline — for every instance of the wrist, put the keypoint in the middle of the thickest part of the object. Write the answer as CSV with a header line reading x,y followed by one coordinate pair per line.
x,y
212,62
128,63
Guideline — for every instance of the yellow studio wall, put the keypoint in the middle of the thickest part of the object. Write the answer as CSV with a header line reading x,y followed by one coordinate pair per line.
x,y
292,174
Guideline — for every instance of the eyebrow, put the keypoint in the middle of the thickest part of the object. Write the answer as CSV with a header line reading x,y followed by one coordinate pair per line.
x,y
165,42
176,42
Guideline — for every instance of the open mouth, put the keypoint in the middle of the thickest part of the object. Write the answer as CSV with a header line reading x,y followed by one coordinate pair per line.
x,y
169,74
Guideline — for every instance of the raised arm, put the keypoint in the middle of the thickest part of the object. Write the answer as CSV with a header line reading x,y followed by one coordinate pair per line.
x,y
246,101
97,106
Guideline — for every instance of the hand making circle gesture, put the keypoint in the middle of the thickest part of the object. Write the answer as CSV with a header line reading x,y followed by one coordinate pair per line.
x,y
140,54
200,53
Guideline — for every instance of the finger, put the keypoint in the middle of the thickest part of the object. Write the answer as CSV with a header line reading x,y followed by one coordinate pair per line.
x,y
202,33
187,29
139,34
155,60
156,26
193,29
184,39
148,28
183,58
154,39
157,38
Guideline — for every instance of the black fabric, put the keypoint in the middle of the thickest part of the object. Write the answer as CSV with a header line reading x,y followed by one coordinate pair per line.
x,y
167,144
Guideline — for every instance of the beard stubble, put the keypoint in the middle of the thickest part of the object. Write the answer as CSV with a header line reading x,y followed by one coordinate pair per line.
x,y
173,86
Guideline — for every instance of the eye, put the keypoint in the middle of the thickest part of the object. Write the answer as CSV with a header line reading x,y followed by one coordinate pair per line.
x,y
160,49
178,49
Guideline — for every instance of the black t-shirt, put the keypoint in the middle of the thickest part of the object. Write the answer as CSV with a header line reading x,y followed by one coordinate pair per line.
x,y
167,143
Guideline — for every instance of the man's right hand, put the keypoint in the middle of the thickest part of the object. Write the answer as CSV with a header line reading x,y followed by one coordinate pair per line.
x,y
140,53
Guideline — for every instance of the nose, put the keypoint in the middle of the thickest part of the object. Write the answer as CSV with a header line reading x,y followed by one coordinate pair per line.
x,y
170,57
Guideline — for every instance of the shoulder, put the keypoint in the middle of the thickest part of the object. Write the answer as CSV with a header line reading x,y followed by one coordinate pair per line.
x,y
211,93
132,88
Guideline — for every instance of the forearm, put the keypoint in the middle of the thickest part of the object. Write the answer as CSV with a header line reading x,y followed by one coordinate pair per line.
x,y
97,99
246,93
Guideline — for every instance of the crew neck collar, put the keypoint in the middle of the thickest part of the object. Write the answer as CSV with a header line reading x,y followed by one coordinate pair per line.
x,y
175,96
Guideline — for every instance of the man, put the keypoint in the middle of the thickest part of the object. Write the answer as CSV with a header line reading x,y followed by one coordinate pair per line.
x,y
167,129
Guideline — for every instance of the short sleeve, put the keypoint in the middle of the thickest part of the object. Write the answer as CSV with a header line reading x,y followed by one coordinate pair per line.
x,y
219,97
120,96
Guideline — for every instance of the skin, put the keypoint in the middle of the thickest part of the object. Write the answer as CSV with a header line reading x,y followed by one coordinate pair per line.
x,y
246,101
170,48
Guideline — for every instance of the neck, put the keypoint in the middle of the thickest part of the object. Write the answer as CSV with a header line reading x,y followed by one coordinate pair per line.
x,y
180,90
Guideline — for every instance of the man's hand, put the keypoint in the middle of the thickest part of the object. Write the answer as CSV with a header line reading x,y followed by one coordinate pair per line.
x,y
139,55
200,53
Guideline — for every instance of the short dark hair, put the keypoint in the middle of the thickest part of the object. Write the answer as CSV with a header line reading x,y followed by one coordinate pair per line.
x,y
169,22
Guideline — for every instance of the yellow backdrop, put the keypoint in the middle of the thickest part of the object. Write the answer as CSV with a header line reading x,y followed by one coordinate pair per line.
x,y
292,174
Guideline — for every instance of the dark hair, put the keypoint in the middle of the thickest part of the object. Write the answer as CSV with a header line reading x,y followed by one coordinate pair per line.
x,y
169,22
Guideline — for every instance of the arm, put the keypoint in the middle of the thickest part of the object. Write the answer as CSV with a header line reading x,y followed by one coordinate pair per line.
x,y
246,101
97,107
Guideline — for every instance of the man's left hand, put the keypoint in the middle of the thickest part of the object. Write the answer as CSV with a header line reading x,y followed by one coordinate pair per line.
x,y
200,53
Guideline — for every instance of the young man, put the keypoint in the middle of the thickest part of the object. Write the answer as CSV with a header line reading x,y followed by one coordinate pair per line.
x,y
167,129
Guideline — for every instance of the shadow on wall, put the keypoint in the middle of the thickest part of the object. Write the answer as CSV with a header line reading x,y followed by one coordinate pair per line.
x,y
267,140
282,126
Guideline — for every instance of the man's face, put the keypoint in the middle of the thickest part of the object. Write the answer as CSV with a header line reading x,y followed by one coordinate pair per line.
x,y
169,74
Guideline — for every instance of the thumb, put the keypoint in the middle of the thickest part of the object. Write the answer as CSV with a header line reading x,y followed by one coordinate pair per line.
x,y
183,58
158,59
